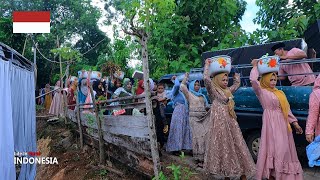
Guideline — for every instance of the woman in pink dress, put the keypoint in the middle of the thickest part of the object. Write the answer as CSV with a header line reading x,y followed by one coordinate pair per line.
x,y
313,122
277,157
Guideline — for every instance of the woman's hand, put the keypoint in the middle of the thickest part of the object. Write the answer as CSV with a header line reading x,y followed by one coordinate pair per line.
x,y
309,137
187,75
165,129
236,76
297,128
173,78
208,61
254,62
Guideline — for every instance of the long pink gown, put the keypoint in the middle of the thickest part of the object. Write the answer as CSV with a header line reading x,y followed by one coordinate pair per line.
x,y
277,152
313,122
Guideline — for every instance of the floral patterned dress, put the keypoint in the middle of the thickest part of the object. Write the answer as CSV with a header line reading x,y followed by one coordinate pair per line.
x,y
226,152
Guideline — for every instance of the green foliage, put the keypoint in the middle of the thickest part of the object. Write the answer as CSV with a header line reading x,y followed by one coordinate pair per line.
x,y
103,172
72,21
91,120
67,53
283,21
178,172
39,107
180,31
160,177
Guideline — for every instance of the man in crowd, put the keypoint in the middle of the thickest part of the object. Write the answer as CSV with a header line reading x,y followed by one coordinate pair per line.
x,y
293,54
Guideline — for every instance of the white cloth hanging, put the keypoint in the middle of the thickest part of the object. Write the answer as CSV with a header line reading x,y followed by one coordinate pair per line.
x,y
23,115
7,167
17,119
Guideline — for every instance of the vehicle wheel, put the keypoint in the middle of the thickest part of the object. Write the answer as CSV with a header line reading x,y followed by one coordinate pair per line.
x,y
253,142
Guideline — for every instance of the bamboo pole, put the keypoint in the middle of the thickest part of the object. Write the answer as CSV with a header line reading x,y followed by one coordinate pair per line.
x,y
117,99
61,82
79,119
48,93
150,116
101,141
65,104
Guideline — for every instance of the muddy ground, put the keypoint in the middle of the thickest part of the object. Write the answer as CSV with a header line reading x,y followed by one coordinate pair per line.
x,y
55,139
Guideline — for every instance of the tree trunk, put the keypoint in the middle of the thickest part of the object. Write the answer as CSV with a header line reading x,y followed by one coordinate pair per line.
x,y
150,116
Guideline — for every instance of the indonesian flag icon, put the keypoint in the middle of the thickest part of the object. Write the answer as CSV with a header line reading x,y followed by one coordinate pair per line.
x,y
31,21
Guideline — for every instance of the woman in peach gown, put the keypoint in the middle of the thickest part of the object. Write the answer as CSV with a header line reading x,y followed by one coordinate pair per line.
x,y
226,151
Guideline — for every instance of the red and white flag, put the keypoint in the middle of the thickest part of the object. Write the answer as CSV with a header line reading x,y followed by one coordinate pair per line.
x,y
31,21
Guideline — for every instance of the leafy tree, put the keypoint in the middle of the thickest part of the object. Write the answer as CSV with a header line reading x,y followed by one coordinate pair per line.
x,y
73,22
281,20
120,53
181,30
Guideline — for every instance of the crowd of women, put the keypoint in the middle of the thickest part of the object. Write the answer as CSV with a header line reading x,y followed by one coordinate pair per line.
x,y
212,131
214,134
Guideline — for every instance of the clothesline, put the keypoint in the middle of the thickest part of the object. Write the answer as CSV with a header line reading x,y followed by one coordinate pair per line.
x,y
70,61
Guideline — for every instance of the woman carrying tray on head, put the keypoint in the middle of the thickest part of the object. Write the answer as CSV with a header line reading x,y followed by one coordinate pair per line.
x,y
226,152
277,158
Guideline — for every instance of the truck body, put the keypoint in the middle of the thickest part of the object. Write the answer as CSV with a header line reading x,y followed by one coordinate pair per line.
x,y
247,106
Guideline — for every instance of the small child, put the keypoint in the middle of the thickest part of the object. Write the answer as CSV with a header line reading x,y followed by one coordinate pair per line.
x,y
162,99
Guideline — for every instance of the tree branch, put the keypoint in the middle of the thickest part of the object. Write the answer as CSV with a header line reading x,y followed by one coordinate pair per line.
x,y
135,31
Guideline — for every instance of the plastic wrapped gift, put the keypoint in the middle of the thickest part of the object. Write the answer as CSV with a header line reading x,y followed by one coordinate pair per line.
x,y
73,78
119,75
137,74
267,64
220,64
94,74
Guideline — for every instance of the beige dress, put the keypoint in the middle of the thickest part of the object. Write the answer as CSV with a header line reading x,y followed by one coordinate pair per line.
x,y
56,107
199,119
226,154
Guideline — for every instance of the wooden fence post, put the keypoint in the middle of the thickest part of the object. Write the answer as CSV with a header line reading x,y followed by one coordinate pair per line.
x,y
101,141
79,119
150,116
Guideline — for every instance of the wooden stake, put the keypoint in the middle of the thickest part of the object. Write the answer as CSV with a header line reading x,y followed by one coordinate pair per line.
x,y
79,119
65,96
150,116
101,141
143,37
61,85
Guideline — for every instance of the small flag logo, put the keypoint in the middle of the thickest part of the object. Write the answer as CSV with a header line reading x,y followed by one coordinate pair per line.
x,y
31,22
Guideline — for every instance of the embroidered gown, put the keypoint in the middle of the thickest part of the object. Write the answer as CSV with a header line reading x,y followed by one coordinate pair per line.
x,y
226,152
